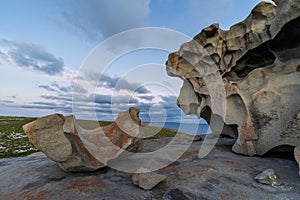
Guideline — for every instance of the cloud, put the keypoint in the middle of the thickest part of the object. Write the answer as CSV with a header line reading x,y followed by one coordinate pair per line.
x,y
121,83
63,89
47,87
57,98
111,96
108,99
148,98
169,100
30,56
6,101
57,108
108,105
115,83
96,19
44,103
79,89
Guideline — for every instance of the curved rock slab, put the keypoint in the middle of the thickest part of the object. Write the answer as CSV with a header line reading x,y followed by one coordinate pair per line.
x,y
76,149
259,62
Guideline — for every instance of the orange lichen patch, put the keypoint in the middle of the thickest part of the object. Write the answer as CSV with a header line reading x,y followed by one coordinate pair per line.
x,y
236,166
86,185
125,128
188,154
117,136
173,59
248,132
36,195
170,168
231,89
207,167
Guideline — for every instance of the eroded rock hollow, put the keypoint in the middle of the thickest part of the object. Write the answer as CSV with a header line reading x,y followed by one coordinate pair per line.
x,y
76,149
258,61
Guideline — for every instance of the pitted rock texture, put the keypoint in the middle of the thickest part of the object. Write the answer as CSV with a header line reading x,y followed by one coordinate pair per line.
x,y
257,66
75,149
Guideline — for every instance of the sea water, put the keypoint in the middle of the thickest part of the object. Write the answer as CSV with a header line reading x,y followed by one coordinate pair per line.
x,y
189,128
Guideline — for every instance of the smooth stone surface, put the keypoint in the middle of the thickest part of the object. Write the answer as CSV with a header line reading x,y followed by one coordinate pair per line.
x,y
220,175
147,180
47,135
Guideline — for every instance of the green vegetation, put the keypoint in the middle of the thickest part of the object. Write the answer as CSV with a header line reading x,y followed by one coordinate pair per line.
x,y
14,142
152,132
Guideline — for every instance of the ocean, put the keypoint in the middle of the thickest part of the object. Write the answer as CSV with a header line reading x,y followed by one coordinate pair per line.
x,y
192,129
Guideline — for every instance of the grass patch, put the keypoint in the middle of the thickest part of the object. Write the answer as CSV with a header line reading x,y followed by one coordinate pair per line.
x,y
14,142
152,132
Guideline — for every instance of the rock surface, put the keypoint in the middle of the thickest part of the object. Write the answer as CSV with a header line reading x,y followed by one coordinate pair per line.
x,y
221,175
297,156
147,180
76,149
246,77
268,177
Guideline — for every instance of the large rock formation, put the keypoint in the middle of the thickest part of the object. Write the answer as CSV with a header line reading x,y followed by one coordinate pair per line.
x,y
257,65
76,149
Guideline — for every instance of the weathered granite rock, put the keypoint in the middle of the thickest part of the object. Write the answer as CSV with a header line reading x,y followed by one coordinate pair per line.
x,y
76,149
268,177
297,156
147,180
221,175
253,70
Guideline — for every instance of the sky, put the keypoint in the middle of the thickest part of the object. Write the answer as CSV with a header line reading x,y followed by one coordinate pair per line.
x,y
46,44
